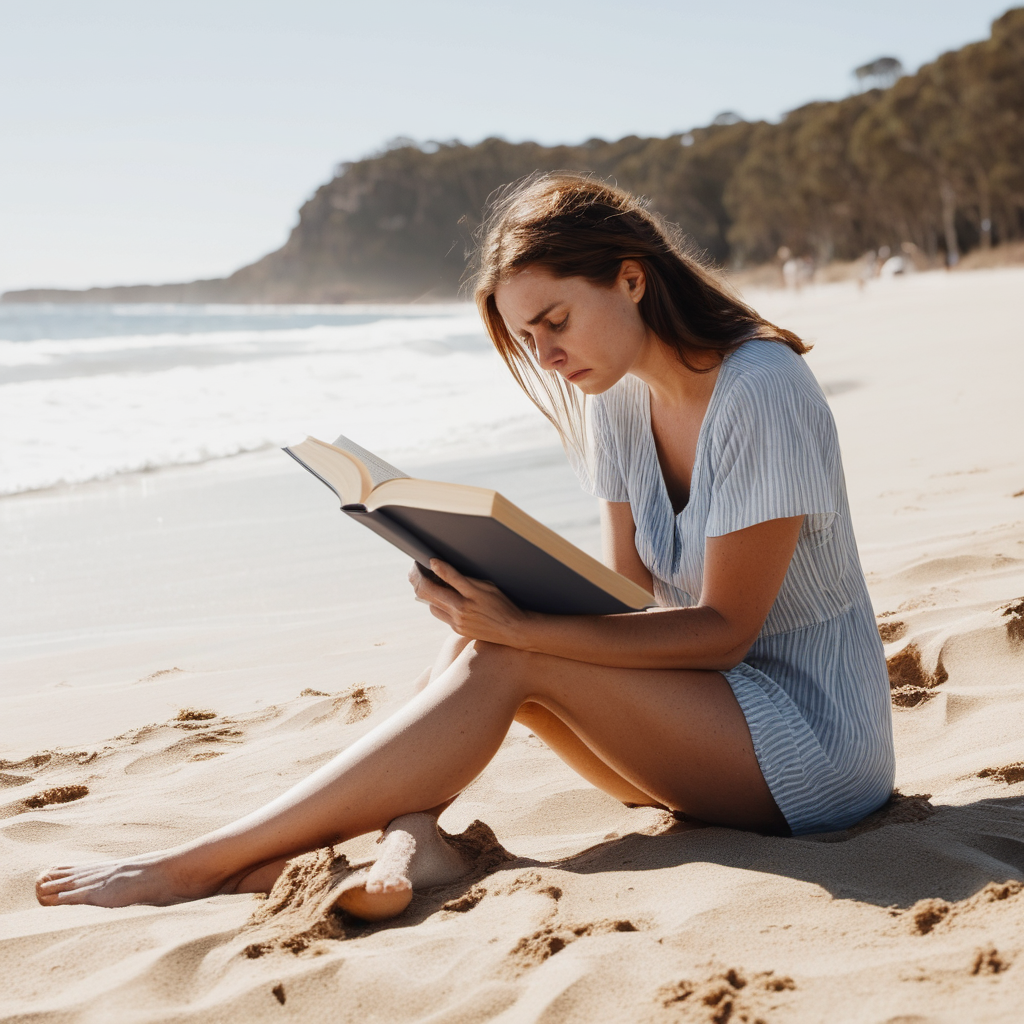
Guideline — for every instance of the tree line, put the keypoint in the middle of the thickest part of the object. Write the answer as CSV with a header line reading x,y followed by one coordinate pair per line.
x,y
936,160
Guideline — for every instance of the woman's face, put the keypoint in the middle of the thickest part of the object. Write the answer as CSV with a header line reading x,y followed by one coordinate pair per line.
x,y
590,334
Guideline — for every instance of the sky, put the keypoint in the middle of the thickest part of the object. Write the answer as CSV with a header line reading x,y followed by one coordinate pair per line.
x,y
158,141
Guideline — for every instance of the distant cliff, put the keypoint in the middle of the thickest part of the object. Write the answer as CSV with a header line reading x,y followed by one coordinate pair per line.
x,y
398,225
936,160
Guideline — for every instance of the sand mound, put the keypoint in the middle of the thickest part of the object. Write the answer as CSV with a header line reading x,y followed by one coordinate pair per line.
x,y
897,810
728,996
301,909
925,915
910,684
479,847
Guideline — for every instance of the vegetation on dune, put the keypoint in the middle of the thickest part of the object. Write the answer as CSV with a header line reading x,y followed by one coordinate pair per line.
x,y
936,160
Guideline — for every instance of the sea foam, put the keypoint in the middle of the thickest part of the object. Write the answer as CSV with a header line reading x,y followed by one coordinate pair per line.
x,y
169,388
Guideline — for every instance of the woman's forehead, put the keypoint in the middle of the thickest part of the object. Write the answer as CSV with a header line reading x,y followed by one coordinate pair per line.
x,y
521,297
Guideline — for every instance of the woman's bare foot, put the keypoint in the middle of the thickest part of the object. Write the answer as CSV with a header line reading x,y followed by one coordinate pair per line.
x,y
158,879
413,855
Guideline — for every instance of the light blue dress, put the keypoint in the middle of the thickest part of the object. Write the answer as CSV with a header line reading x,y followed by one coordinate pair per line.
x,y
813,688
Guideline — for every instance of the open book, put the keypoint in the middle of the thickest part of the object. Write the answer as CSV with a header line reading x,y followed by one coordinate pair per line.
x,y
479,532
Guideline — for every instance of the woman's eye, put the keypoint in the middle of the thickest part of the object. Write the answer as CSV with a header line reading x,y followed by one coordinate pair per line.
x,y
561,323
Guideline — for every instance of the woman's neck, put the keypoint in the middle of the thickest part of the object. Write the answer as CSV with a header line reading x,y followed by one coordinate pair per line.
x,y
672,384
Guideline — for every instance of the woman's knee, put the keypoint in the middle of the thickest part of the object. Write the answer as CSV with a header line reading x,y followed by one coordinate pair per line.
x,y
486,653
493,662
447,656
497,665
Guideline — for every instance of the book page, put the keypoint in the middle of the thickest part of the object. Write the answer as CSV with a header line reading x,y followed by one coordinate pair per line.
x,y
341,471
378,469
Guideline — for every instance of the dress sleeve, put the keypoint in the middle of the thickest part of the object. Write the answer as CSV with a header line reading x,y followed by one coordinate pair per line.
x,y
604,478
774,454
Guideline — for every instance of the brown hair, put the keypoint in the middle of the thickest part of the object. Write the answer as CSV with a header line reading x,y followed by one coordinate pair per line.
x,y
573,225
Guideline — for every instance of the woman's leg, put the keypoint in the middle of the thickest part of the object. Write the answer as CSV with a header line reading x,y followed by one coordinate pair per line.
x,y
554,733
578,756
678,736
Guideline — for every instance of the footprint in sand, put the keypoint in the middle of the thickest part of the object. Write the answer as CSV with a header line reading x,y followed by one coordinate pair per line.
x,y
988,961
926,915
729,996
890,632
357,703
1014,615
54,795
195,715
533,950
910,684
14,780
1009,773
47,762
531,881
34,762
202,727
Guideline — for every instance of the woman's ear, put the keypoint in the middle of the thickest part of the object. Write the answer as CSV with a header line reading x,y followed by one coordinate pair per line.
x,y
632,276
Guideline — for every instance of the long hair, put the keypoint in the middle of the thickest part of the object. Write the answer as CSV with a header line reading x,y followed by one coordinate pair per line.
x,y
573,225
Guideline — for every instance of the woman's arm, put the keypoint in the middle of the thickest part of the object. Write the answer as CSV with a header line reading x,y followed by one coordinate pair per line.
x,y
618,543
743,572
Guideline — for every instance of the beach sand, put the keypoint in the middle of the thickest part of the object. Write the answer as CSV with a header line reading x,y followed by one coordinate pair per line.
x,y
233,592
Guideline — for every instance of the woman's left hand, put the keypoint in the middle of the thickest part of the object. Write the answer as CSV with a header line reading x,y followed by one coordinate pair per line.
x,y
473,608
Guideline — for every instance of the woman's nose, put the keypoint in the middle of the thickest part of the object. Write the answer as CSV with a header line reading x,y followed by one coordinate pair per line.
x,y
549,355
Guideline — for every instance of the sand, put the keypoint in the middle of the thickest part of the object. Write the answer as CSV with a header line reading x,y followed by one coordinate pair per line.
x,y
179,646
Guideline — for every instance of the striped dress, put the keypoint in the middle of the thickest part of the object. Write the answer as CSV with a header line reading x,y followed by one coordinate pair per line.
x,y
813,687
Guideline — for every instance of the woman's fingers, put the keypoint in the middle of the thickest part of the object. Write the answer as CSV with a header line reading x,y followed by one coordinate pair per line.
x,y
452,576
440,613
431,592
474,608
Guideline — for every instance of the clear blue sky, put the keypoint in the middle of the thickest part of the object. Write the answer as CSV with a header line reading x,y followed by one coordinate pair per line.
x,y
148,141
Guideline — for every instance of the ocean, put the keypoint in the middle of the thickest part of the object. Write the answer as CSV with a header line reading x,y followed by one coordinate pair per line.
x,y
91,391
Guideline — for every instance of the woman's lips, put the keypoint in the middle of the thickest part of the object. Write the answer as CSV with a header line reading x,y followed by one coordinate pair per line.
x,y
573,377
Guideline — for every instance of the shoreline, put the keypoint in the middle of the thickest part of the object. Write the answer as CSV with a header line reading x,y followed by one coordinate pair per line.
x,y
768,274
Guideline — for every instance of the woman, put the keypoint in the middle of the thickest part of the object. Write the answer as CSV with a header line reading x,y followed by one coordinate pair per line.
x,y
754,696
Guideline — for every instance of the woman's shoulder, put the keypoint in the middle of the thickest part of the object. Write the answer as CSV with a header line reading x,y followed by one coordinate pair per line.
x,y
770,371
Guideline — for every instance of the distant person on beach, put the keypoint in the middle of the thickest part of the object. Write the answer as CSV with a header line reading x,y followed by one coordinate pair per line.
x,y
754,696
797,272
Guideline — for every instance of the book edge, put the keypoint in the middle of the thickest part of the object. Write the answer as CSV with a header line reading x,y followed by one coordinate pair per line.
x,y
492,504
554,544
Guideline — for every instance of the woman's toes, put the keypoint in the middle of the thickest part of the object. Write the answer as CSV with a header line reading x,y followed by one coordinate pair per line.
x,y
413,853
54,875
83,893
119,884
56,884
383,890
378,905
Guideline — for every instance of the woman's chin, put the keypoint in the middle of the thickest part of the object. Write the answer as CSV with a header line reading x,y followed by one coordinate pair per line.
x,y
593,383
